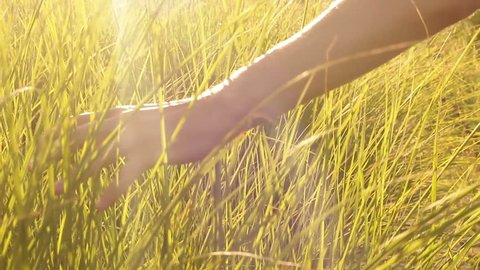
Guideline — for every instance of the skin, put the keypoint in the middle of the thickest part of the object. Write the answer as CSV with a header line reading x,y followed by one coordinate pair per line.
x,y
349,39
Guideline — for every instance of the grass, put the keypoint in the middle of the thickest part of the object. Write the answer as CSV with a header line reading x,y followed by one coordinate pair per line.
x,y
379,174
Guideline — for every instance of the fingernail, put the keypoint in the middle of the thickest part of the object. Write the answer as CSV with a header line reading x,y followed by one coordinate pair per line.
x,y
59,188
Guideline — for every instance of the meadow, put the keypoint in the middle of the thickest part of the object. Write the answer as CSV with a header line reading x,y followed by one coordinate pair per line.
x,y
382,173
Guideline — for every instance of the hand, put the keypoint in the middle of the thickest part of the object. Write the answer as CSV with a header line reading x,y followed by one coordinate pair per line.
x,y
139,142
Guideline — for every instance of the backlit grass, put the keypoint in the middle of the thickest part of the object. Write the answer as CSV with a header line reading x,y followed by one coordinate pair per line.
x,y
382,173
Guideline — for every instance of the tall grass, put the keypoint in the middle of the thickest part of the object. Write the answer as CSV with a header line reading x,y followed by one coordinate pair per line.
x,y
382,173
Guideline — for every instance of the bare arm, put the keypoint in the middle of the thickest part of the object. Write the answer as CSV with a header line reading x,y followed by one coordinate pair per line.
x,y
354,36
351,38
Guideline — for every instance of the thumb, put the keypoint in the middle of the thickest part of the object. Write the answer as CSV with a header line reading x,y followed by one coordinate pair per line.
x,y
133,169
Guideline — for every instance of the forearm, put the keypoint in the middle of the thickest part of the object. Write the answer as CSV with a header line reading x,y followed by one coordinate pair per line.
x,y
348,40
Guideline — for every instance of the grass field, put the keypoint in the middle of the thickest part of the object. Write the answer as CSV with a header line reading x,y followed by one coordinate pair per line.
x,y
382,173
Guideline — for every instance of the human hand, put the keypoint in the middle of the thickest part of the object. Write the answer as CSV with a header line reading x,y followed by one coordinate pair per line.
x,y
137,137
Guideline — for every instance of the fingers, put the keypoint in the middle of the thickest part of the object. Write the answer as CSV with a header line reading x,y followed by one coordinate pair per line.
x,y
93,170
99,130
100,124
87,122
96,131
132,170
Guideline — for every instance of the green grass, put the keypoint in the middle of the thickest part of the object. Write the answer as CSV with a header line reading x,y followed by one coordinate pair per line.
x,y
382,173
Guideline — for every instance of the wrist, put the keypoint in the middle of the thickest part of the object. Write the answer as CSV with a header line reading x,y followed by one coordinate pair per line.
x,y
223,111
250,97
